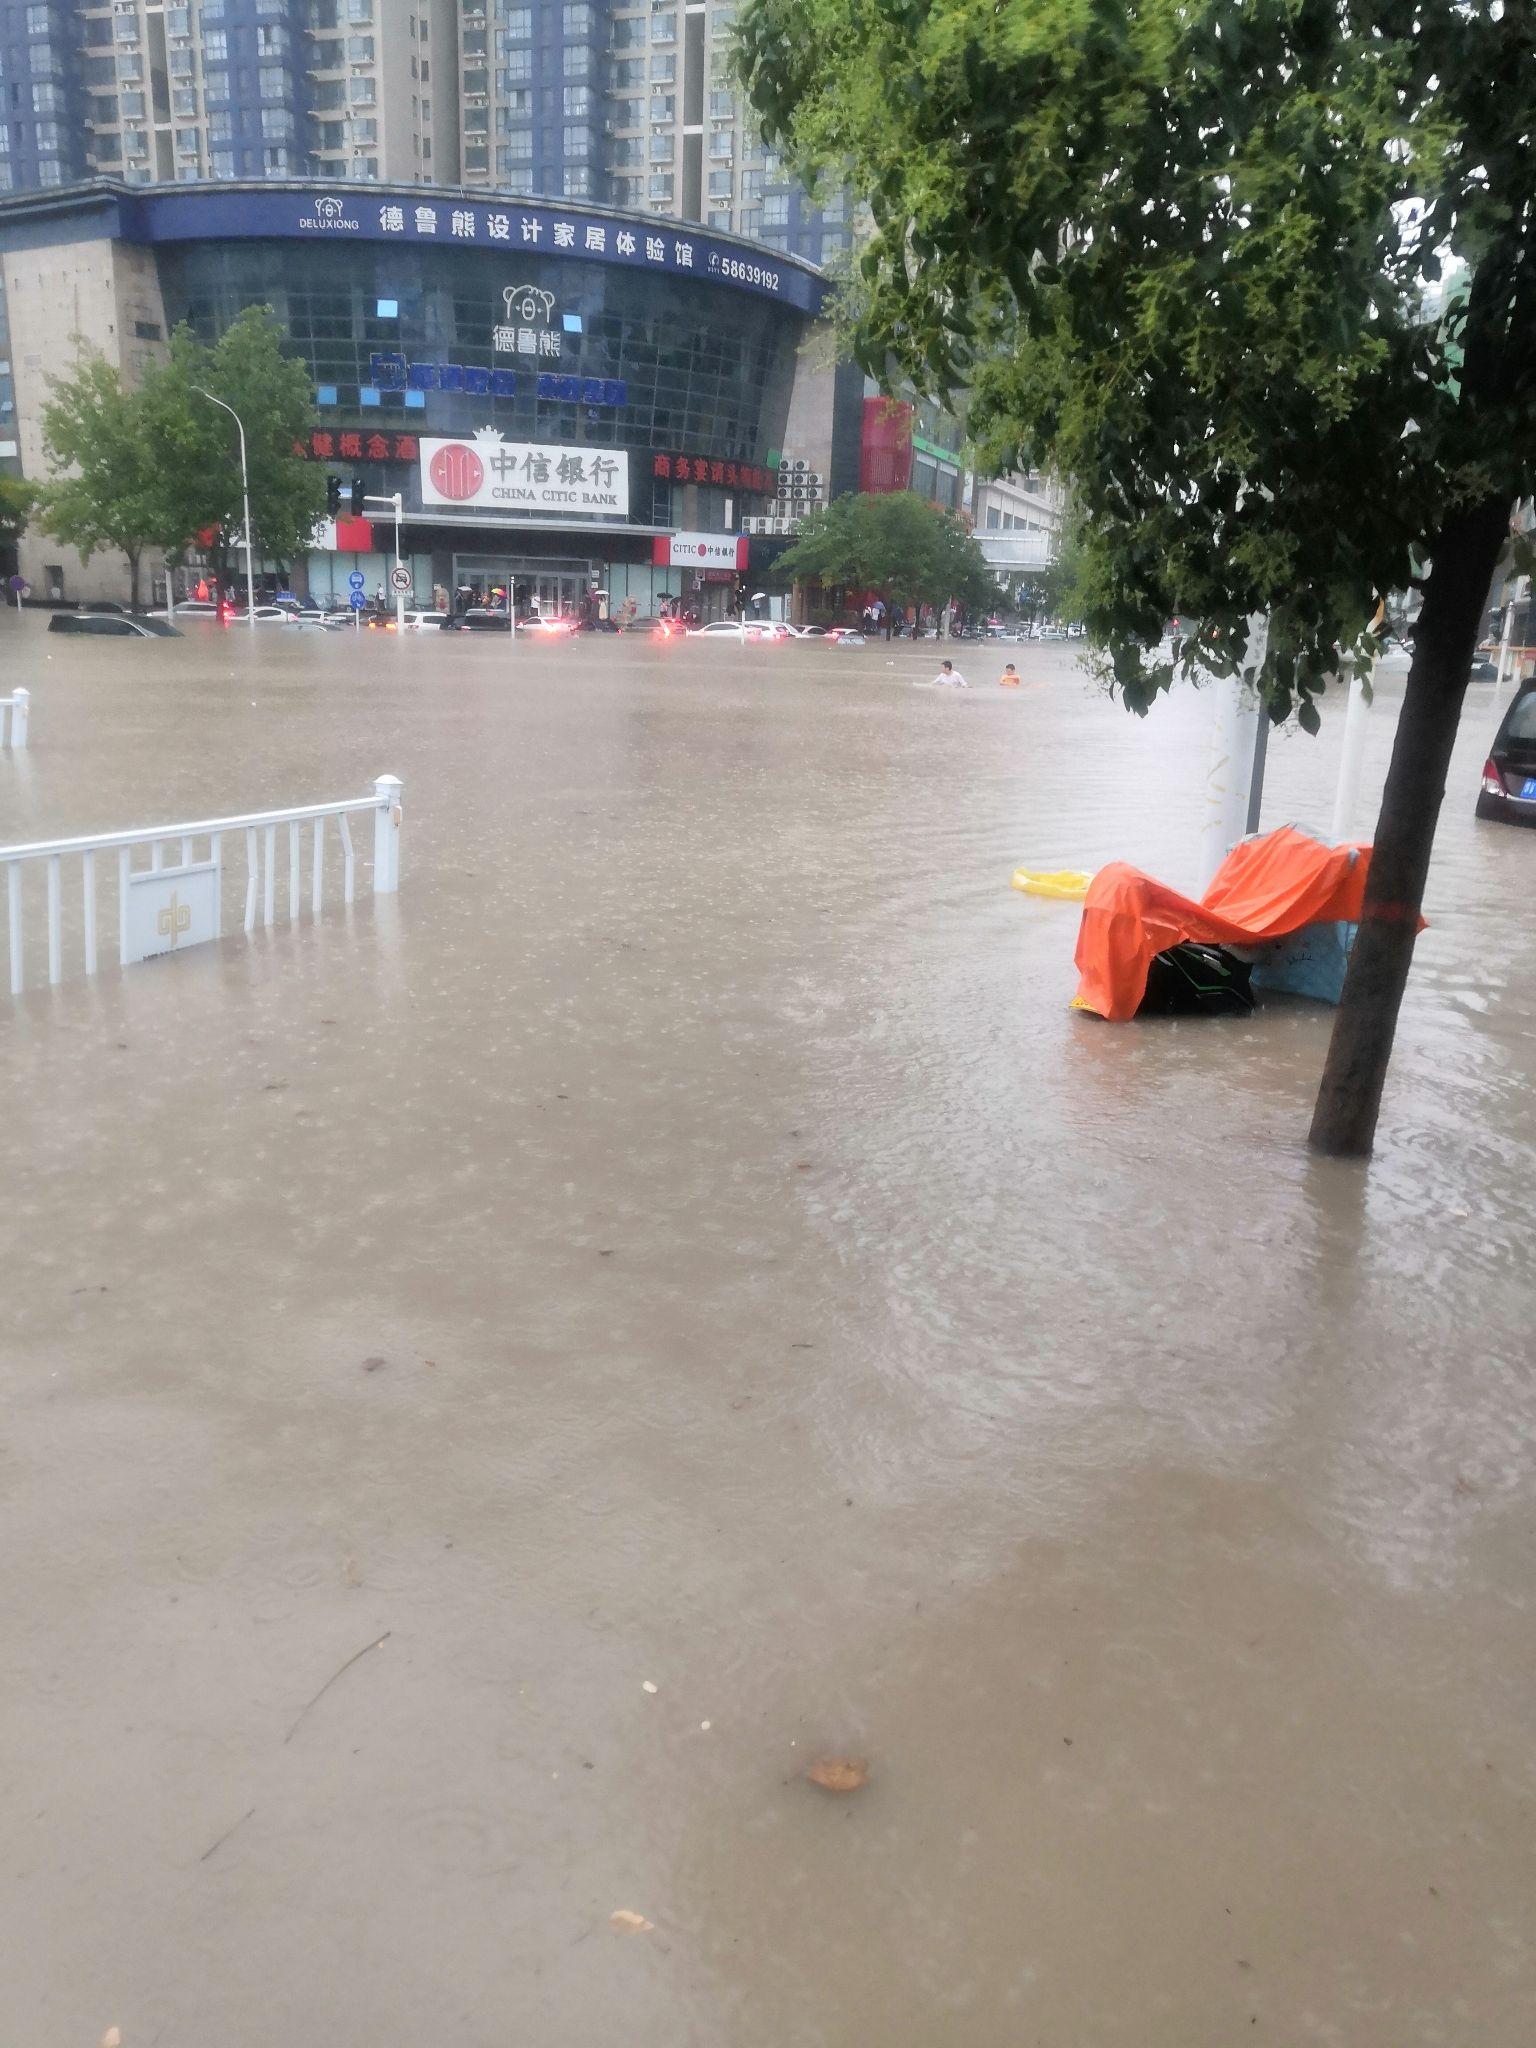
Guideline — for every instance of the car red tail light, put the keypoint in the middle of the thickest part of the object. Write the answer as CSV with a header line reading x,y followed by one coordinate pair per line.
x,y
1493,781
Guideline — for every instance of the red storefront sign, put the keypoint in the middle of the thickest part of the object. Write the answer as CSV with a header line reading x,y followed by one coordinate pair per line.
x,y
328,444
885,453
706,469
354,536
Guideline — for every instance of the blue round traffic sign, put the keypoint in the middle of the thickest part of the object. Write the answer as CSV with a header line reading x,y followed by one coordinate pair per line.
x,y
357,600
357,580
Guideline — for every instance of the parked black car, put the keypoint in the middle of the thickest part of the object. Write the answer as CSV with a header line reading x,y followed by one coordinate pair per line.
x,y
1509,778
116,625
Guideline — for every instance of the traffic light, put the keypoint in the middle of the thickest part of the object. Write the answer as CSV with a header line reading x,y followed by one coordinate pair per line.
x,y
332,496
357,497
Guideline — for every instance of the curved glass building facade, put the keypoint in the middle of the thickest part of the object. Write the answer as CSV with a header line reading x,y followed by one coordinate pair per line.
x,y
525,345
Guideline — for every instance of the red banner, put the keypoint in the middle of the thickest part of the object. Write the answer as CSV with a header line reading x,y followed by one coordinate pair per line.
x,y
707,469
328,444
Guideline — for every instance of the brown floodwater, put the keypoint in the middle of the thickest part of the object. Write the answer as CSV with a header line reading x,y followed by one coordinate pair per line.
x,y
680,1282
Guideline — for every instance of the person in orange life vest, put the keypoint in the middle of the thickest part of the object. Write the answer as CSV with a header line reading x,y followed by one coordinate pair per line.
x,y
1010,677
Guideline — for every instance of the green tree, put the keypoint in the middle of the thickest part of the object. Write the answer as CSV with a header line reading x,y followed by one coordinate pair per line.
x,y
18,499
894,542
1192,255
111,494
199,444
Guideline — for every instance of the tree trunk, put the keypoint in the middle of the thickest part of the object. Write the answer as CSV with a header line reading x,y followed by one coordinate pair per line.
x,y
1465,552
133,578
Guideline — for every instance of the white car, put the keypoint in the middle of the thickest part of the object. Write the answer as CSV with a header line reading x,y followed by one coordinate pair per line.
x,y
425,622
264,615
807,632
735,629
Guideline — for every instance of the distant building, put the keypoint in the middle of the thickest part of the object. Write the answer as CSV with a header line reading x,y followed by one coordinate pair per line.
x,y
578,99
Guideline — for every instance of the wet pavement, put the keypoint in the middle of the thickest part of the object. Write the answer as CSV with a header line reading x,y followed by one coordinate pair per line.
x,y
680,1294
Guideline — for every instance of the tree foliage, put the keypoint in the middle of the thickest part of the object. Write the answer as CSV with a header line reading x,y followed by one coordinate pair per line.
x,y
911,551
1181,254
154,465
111,493
272,395
18,499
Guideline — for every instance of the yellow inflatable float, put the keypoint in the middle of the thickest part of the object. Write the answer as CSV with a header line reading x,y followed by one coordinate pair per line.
x,y
1067,885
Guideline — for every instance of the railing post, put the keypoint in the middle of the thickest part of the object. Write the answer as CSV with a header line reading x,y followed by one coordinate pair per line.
x,y
386,835
20,699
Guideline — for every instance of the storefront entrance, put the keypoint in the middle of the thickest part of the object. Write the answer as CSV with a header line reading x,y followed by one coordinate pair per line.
x,y
550,586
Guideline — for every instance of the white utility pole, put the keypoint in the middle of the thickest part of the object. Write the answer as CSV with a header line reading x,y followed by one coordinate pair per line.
x,y
396,504
245,503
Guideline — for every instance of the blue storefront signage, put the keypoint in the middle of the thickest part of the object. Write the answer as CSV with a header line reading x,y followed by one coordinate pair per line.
x,y
390,371
501,226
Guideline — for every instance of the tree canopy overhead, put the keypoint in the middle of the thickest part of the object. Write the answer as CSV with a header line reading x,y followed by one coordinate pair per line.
x,y
1257,279
1183,253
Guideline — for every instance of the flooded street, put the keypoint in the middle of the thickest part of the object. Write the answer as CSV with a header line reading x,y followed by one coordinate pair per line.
x,y
678,1291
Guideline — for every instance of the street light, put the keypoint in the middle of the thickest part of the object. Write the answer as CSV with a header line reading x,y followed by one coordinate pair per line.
x,y
245,503
394,500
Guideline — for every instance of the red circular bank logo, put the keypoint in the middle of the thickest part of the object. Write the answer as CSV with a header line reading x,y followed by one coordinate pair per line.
x,y
456,471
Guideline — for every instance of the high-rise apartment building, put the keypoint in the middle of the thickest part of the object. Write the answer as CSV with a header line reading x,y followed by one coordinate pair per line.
x,y
600,100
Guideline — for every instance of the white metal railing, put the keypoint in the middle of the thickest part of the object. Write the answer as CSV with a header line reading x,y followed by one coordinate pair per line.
x,y
13,719
198,917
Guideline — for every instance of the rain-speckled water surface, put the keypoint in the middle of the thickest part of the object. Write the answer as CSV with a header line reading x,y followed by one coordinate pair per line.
x,y
681,1294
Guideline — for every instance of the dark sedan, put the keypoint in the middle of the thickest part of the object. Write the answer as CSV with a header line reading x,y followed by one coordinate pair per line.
x,y
1509,778
113,625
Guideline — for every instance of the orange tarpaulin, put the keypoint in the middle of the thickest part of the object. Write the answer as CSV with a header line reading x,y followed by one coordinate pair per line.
x,y
1265,888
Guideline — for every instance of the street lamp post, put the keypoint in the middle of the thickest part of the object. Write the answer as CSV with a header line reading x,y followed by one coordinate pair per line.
x,y
245,504
396,502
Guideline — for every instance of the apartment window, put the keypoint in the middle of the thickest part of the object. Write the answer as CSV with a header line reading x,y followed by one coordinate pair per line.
x,y
663,107
577,143
426,72
215,46
577,100
272,41
724,21
518,24
7,178
664,69
426,29
720,220
363,131
472,43
221,127
213,10
124,30
49,171
215,85
518,106
426,150
178,21
751,220
272,82
661,145
577,60
426,110
660,185
628,72
751,184
722,145
187,138
184,100
38,23
359,49
133,106
577,183
518,69
836,208
663,28
45,99
776,210
576,18
99,71
277,124
628,32
359,10
136,142
274,160
361,92
103,110
722,106
517,149
719,184
47,135
629,113
475,121
182,63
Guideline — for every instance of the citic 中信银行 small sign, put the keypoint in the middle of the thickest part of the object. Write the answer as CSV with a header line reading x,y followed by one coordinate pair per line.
x,y
699,551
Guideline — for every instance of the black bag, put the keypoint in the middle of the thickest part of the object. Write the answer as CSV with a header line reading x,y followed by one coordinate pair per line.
x,y
1189,980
